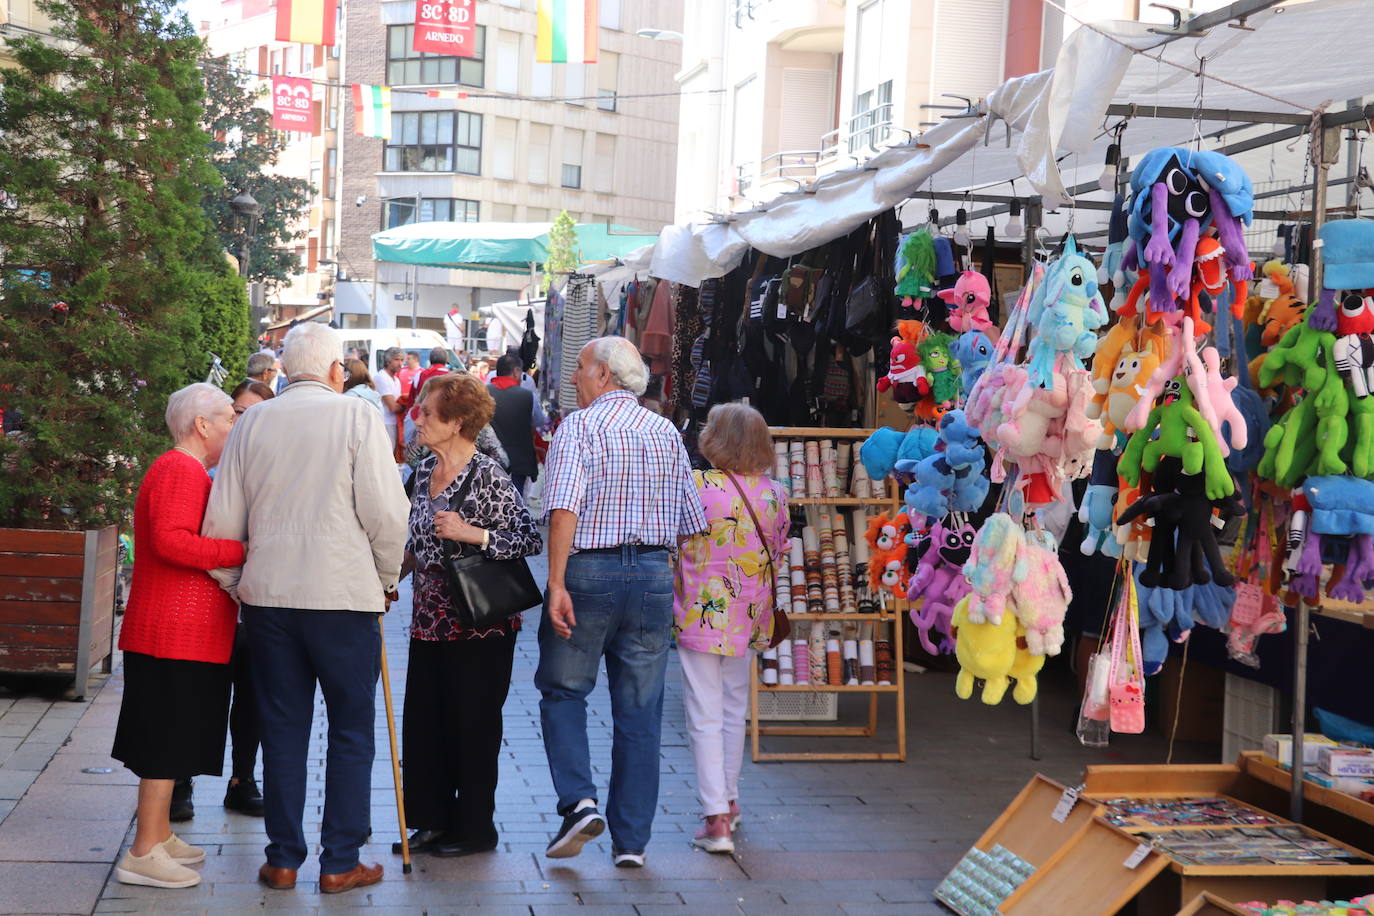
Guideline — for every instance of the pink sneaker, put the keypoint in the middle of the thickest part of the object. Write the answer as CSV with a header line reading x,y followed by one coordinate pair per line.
x,y
734,815
715,835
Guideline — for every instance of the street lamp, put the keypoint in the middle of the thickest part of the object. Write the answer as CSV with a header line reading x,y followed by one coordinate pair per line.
x,y
247,210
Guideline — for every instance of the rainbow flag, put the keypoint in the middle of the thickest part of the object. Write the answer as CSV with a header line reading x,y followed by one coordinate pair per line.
x,y
372,111
567,32
308,22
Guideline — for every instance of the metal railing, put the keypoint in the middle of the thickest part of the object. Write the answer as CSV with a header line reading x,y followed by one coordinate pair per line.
x,y
862,136
790,165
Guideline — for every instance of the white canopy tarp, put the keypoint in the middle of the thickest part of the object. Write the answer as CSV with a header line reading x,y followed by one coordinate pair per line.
x,y
1298,58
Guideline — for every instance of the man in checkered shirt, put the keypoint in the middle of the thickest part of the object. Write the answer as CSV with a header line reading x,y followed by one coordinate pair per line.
x,y
619,495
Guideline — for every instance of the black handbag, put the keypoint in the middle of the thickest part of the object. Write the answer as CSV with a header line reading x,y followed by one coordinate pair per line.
x,y
483,591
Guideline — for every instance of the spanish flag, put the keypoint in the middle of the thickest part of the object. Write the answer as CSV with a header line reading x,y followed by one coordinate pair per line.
x,y
308,22
372,111
567,32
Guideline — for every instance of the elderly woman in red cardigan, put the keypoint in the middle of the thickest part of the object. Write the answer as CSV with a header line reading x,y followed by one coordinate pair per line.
x,y
177,636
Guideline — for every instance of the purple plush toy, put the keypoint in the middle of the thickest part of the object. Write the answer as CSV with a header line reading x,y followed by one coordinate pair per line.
x,y
939,583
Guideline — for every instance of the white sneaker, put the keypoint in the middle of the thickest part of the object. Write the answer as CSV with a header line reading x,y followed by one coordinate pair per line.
x,y
628,859
182,852
715,835
156,869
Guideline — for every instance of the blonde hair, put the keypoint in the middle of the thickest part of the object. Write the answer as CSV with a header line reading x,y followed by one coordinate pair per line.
x,y
736,438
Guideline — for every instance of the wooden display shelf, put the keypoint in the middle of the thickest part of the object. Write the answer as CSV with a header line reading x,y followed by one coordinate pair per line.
x,y
1209,904
891,613
1268,770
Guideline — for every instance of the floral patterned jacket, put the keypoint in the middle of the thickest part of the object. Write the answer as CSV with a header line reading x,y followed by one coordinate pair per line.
x,y
723,590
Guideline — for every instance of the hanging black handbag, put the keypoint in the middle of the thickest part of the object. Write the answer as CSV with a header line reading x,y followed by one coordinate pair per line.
x,y
483,591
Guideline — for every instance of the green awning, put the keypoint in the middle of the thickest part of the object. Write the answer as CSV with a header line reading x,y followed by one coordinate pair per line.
x,y
507,248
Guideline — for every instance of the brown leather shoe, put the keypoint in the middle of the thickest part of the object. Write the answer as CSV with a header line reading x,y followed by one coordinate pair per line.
x,y
362,876
279,879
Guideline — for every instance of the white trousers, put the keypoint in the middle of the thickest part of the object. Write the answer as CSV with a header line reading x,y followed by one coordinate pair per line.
x,y
716,696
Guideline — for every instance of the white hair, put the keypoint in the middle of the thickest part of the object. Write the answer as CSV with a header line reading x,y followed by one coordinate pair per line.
x,y
196,400
310,348
623,359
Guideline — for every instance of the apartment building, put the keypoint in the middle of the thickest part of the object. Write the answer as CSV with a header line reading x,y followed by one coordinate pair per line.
x,y
244,32
19,18
605,150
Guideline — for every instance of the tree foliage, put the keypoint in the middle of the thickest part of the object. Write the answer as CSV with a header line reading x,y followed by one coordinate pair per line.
x,y
222,303
244,148
103,248
562,256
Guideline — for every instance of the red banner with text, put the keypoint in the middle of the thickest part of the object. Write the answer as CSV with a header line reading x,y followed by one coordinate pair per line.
x,y
291,103
447,27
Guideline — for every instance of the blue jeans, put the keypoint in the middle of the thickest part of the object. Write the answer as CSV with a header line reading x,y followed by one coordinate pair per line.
x,y
292,650
623,603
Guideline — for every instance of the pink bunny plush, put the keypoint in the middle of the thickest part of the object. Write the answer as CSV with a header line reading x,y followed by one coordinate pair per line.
x,y
994,567
968,303
1043,596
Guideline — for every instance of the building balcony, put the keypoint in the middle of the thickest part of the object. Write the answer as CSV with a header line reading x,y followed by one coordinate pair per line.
x,y
793,25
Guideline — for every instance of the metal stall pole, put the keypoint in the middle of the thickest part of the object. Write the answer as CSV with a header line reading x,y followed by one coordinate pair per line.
x,y
1326,151
1301,621
1034,215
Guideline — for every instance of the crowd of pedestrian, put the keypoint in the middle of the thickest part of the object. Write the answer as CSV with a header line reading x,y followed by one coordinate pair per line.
x,y
255,585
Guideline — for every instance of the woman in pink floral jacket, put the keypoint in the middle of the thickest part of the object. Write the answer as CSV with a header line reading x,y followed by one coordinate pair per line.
x,y
723,607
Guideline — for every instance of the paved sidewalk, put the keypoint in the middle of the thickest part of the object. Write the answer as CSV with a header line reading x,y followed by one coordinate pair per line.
x,y
819,838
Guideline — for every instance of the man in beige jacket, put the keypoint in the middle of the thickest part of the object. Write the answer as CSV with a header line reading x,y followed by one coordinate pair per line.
x,y
308,480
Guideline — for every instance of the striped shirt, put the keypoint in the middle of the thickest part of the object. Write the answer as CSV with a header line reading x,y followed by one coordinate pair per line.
x,y
622,470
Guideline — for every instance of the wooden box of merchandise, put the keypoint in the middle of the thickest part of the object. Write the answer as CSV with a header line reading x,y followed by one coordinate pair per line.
x,y
1089,858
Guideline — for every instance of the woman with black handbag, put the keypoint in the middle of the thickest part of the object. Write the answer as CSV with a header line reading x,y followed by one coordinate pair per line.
x,y
469,533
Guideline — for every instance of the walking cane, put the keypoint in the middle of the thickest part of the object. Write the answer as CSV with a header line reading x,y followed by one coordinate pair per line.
x,y
395,758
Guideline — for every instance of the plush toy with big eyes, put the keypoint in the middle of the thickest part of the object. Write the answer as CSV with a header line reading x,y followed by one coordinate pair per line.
x,y
941,369
938,583
968,303
1183,434
1183,548
973,351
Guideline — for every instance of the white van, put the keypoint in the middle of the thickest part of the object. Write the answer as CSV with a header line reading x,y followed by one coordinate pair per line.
x,y
376,341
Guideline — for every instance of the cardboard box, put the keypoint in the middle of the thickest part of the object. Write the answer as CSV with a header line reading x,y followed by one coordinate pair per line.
x,y
1346,761
1280,748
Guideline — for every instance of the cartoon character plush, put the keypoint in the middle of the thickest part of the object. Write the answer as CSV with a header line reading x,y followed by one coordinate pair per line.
x,y
968,303
951,478
904,369
992,651
1183,548
1042,598
1354,350
885,533
887,569
1183,434
942,370
915,266
1121,391
973,350
994,568
1066,311
938,582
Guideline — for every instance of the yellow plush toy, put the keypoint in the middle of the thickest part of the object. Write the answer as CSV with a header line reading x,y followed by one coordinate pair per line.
x,y
995,652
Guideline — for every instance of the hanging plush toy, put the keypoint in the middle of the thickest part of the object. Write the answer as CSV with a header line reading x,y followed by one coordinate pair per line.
x,y
973,351
941,369
938,582
993,569
915,266
968,304
951,478
1183,547
1042,598
1120,392
992,651
888,552
1066,312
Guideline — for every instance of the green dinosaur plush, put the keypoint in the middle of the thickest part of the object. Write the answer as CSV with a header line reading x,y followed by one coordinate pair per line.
x,y
1182,434
942,369
1297,356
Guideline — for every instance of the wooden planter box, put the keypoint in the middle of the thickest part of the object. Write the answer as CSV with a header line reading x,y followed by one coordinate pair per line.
x,y
57,591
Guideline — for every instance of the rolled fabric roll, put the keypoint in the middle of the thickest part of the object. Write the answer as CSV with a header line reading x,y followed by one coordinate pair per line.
x,y
882,652
829,477
859,483
816,653
815,486
770,666
867,668
796,451
782,466
815,591
851,659
801,659
797,575
785,673
834,663
843,570
842,457
830,583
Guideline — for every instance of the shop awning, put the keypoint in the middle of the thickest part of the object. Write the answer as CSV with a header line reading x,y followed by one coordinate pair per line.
x,y
507,248
1293,61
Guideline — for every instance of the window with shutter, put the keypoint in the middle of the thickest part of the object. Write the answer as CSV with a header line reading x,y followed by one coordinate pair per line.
x,y
808,108
970,45
503,148
537,165
603,175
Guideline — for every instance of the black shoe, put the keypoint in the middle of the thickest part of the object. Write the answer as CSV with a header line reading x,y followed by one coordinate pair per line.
x,y
422,841
457,849
182,808
578,828
243,796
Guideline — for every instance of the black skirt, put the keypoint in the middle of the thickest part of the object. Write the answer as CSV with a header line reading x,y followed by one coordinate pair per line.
x,y
174,717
